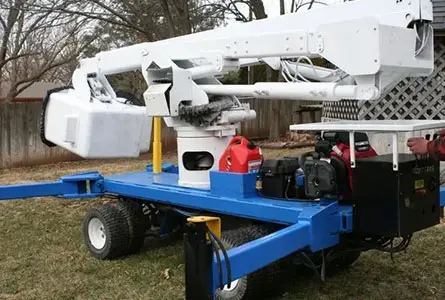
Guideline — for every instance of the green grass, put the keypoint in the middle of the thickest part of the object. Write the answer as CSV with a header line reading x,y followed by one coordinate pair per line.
x,y
42,255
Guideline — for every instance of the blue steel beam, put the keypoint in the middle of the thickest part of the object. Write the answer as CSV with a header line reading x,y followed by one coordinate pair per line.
x,y
37,190
73,186
259,253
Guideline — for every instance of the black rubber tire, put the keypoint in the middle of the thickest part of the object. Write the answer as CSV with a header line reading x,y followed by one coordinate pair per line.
x,y
136,221
115,228
257,284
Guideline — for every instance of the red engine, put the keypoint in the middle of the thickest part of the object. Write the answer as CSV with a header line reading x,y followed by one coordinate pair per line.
x,y
241,156
341,150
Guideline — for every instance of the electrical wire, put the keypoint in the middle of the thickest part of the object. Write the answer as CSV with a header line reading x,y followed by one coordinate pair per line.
x,y
218,260
216,244
427,29
287,72
312,266
226,256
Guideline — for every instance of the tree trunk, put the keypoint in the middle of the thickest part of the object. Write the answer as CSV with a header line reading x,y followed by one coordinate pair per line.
x,y
168,16
282,7
258,9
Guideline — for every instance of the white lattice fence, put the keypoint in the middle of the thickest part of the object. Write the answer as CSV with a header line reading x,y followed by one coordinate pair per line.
x,y
422,98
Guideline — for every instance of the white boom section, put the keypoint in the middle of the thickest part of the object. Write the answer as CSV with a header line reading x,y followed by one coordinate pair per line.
x,y
367,39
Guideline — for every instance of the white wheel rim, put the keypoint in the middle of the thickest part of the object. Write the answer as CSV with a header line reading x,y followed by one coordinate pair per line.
x,y
233,286
96,233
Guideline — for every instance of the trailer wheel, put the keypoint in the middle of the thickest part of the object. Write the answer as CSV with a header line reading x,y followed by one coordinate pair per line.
x,y
105,232
252,286
136,221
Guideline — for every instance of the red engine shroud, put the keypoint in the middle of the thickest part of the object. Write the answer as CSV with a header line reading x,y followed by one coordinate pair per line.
x,y
342,152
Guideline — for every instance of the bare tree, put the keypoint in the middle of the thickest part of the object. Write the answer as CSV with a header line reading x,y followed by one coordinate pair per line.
x,y
35,43
224,9
124,22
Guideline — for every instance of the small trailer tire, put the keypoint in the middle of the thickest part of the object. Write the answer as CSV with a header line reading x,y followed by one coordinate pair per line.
x,y
255,285
136,221
105,231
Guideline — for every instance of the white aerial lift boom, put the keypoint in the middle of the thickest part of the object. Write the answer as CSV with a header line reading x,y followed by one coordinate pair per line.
x,y
372,43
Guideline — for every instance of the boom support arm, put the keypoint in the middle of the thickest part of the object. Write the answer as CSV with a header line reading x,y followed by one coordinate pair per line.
x,y
374,41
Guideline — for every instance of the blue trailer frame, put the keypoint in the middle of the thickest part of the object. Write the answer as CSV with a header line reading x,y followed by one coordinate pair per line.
x,y
312,225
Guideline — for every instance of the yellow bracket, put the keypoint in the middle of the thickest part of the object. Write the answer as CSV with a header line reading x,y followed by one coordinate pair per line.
x,y
213,223
157,146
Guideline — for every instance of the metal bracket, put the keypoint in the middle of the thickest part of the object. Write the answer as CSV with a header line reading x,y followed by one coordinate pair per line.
x,y
352,148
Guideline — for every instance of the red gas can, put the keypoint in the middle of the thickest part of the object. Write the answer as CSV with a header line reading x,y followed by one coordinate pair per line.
x,y
241,156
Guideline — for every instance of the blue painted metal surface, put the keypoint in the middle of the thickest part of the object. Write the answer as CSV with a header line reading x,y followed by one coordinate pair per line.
x,y
233,185
442,197
256,254
241,202
167,168
86,185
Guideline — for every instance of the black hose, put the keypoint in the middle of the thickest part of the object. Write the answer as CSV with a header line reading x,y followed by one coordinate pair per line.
x,y
218,259
226,257
312,266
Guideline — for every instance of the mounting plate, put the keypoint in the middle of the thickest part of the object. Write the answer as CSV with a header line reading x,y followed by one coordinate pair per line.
x,y
390,126
387,126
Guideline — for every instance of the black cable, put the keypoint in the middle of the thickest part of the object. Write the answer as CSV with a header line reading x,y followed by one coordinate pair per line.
x,y
283,199
323,266
218,259
311,265
385,244
226,257
287,189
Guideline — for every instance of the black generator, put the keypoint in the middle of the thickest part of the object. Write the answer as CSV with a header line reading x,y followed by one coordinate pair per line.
x,y
395,203
278,178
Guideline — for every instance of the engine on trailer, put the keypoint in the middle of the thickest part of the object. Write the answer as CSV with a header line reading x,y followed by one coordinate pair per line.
x,y
323,173
328,171
387,203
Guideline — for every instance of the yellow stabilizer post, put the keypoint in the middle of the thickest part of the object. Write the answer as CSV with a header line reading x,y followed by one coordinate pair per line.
x,y
157,146
213,223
